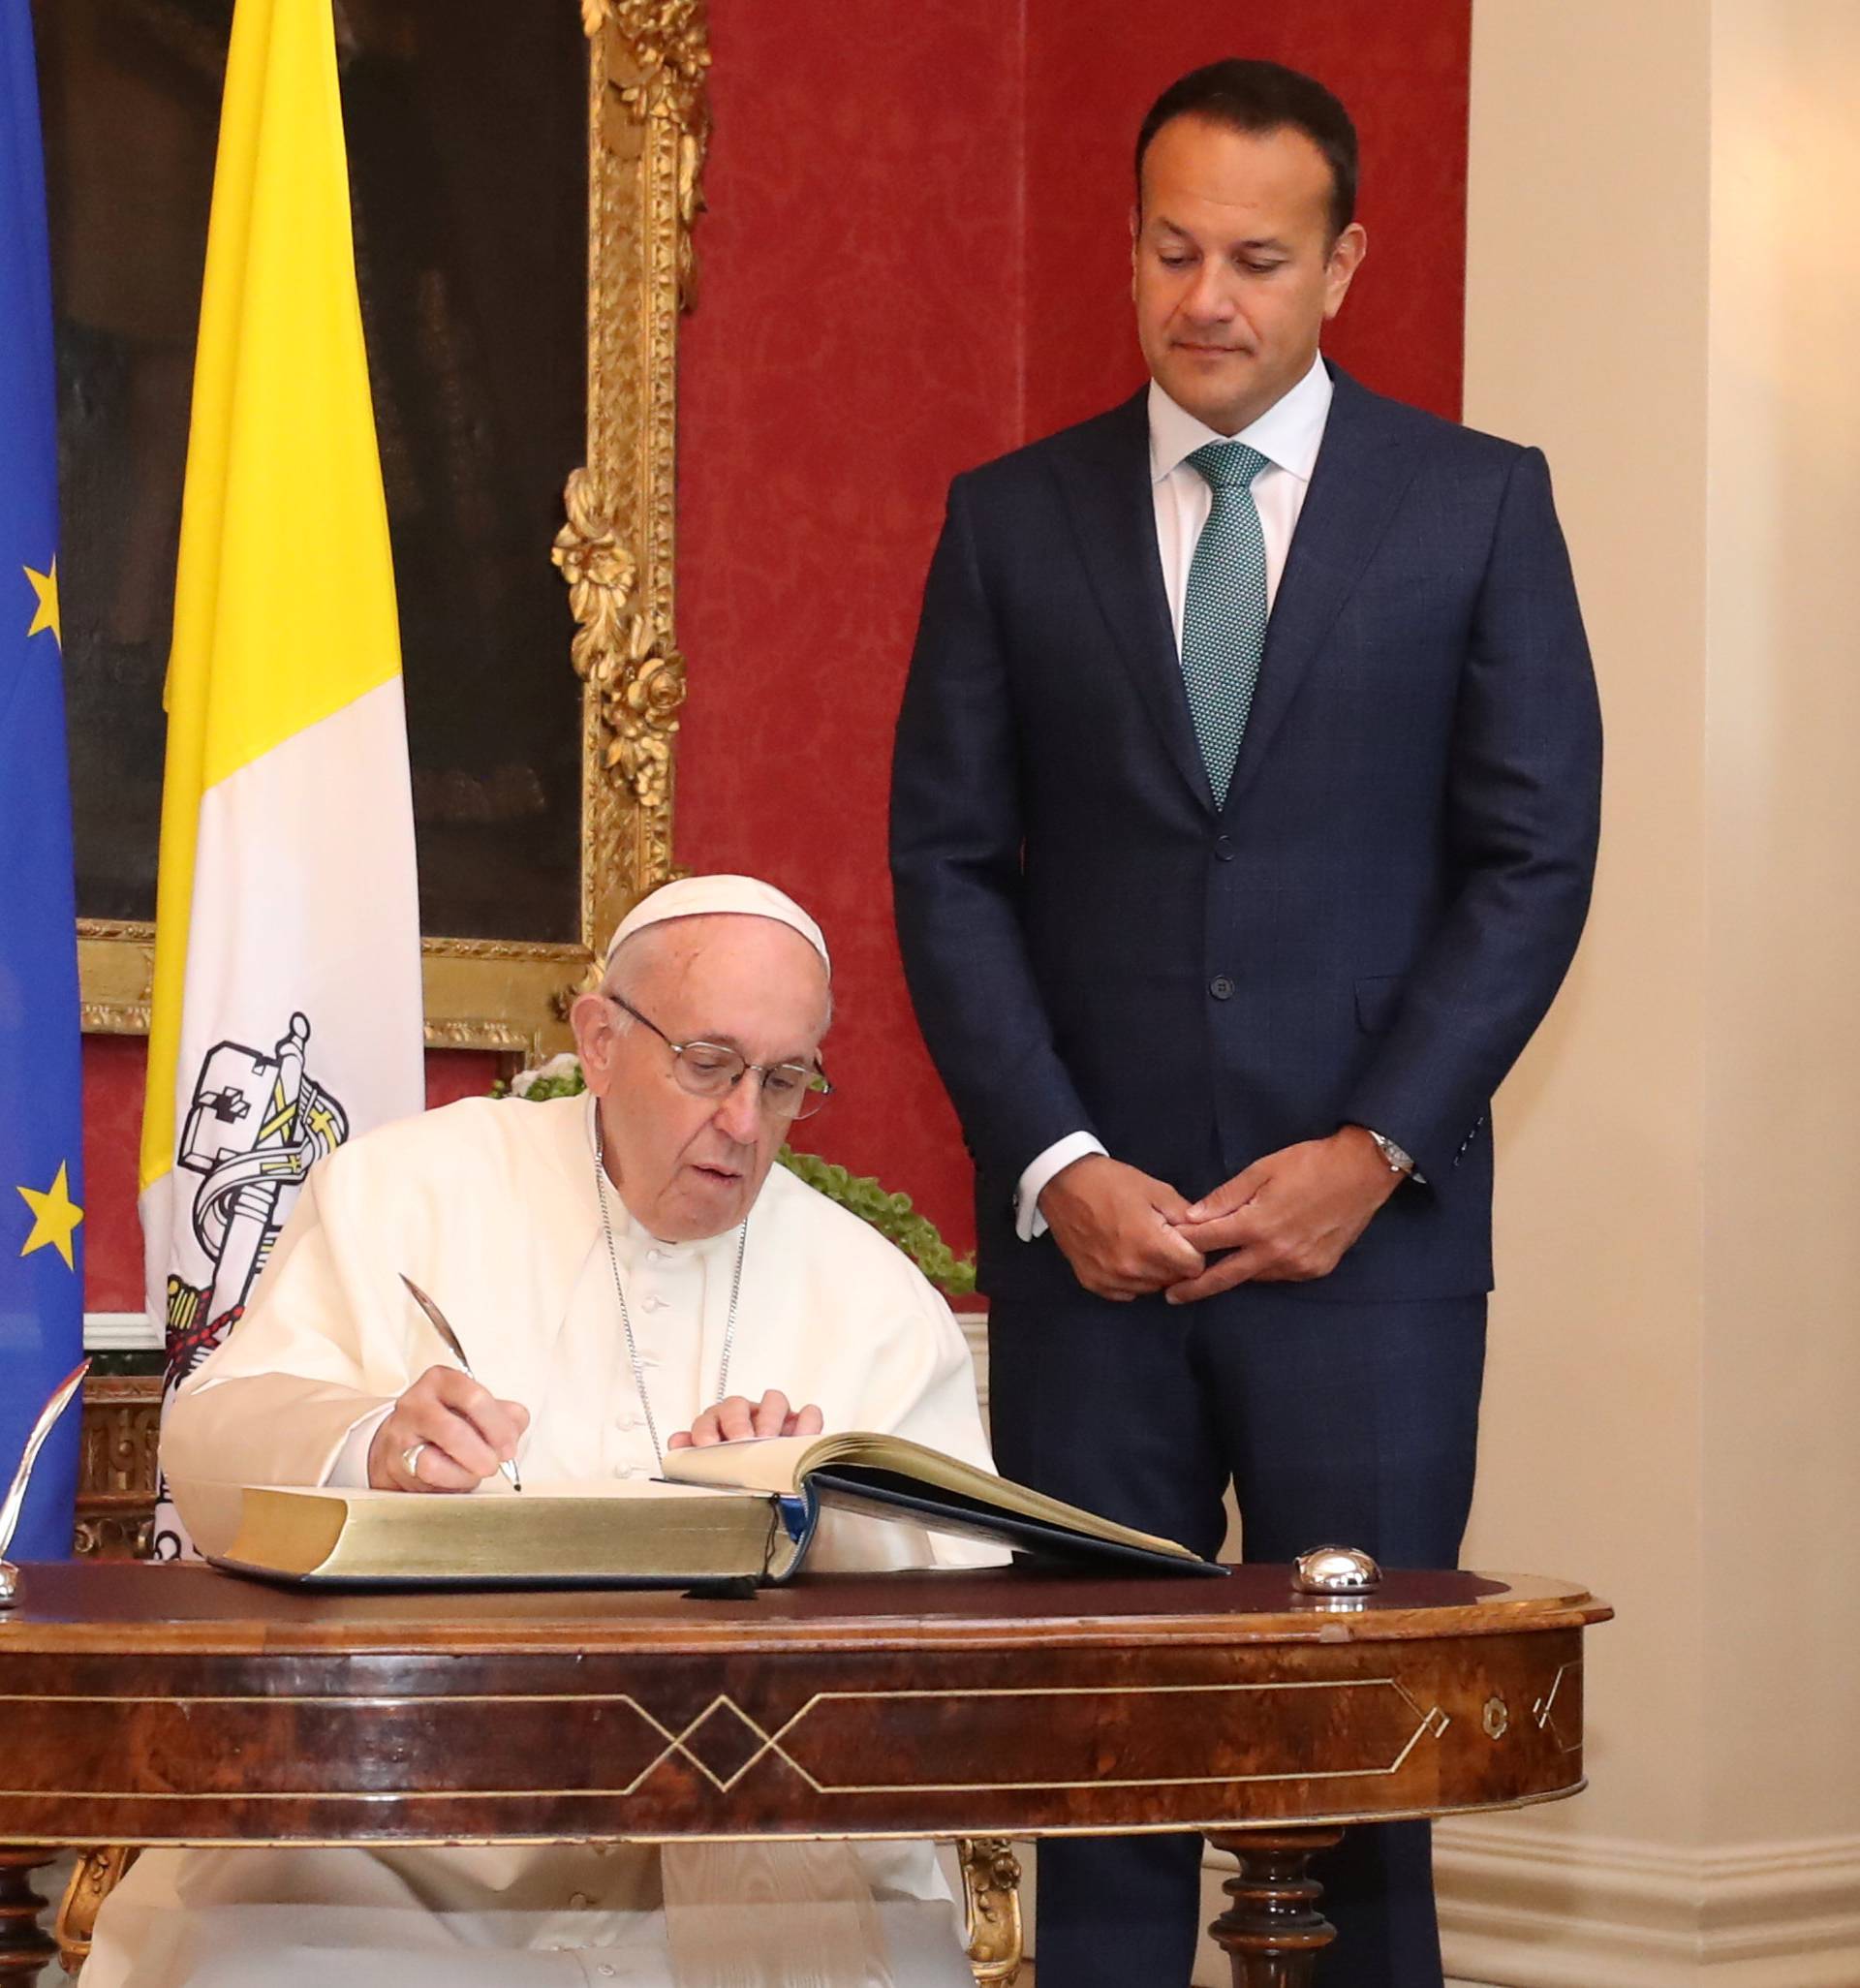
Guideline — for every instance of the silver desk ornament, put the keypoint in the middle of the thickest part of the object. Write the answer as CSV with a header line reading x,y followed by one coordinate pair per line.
x,y
22,1477
1344,1571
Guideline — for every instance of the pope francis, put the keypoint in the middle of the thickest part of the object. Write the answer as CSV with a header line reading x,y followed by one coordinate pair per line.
x,y
627,1275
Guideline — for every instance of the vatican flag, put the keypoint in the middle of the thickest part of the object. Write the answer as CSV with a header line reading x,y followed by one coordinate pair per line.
x,y
286,998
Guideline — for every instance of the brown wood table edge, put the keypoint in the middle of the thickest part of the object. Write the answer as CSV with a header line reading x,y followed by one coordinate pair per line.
x,y
355,1634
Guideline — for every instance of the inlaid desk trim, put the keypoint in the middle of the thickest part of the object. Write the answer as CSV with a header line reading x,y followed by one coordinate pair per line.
x,y
1430,1723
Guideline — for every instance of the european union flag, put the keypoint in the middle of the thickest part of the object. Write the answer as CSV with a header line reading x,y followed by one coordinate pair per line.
x,y
42,1285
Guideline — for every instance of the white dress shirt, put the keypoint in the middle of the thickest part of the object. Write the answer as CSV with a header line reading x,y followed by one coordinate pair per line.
x,y
1287,435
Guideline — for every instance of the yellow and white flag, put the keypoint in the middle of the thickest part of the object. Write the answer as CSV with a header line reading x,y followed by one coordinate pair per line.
x,y
287,1000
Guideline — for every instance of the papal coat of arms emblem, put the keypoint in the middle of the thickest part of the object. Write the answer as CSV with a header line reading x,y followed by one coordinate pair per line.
x,y
254,1128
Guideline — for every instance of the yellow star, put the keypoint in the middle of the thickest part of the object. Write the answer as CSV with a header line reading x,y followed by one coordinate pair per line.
x,y
54,1216
46,586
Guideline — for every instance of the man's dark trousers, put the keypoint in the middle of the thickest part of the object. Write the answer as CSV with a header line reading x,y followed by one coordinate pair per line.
x,y
1345,1423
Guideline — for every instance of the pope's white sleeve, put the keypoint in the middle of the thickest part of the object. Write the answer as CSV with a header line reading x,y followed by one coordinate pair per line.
x,y
350,1471
298,1373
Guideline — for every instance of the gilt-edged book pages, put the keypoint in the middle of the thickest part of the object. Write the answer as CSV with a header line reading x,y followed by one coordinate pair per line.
x,y
888,1477
613,1533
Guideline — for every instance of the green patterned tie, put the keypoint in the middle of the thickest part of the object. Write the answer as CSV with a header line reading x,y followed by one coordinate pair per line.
x,y
1223,610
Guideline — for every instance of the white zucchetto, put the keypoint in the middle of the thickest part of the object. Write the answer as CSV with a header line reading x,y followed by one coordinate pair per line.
x,y
695,897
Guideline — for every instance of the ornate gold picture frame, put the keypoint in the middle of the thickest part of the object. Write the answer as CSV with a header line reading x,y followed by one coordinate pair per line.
x,y
647,130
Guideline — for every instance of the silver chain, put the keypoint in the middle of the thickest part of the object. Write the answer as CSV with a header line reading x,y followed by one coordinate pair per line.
x,y
626,1317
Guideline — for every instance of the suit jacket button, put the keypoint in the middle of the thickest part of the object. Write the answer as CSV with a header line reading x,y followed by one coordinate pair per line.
x,y
1223,848
1220,987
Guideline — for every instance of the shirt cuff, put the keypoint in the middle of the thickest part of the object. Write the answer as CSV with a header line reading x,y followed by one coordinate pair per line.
x,y
1028,1221
350,1470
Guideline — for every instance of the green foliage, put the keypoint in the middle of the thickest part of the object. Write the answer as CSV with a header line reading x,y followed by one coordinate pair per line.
x,y
544,1084
891,1215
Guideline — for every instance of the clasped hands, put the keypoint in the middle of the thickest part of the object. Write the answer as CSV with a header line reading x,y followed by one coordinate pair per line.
x,y
1287,1218
457,1432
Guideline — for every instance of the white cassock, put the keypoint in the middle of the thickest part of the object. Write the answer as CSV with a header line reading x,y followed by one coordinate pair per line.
x,y
490,1207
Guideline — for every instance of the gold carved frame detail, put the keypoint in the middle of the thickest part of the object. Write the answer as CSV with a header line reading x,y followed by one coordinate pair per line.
x,y
648,123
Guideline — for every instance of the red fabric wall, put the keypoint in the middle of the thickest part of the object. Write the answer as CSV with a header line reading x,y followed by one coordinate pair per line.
x,y
915,257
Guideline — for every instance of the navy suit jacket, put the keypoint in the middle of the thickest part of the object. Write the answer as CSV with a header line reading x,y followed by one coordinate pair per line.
x,y
1367,932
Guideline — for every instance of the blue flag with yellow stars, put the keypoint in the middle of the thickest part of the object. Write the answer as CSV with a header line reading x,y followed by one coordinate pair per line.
x,y
41,1284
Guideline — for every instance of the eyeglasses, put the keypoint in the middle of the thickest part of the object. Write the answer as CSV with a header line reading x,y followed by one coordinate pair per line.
x,y
713,1069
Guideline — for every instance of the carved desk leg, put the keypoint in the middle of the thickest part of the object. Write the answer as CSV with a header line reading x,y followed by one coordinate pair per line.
x,y
95,1875
1273,1932
25,1946
991,1891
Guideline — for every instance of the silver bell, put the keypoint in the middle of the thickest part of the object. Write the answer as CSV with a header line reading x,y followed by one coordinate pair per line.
x,y
1335,1571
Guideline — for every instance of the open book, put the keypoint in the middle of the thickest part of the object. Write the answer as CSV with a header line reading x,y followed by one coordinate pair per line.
x,y
735,1511
889,1477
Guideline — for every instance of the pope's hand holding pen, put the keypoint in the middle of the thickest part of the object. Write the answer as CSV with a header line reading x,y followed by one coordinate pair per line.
x,y
409,1457
446,1433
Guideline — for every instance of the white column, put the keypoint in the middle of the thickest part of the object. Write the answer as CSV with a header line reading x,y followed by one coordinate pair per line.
x,y
1664,290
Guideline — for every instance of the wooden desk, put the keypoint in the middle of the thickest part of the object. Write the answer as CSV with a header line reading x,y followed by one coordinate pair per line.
x,y
145,1704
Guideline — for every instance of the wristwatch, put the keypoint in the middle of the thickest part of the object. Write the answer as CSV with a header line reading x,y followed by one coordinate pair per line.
x,y
1399,1160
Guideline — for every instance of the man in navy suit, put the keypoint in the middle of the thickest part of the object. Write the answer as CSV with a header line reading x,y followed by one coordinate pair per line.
x,y
1244,815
